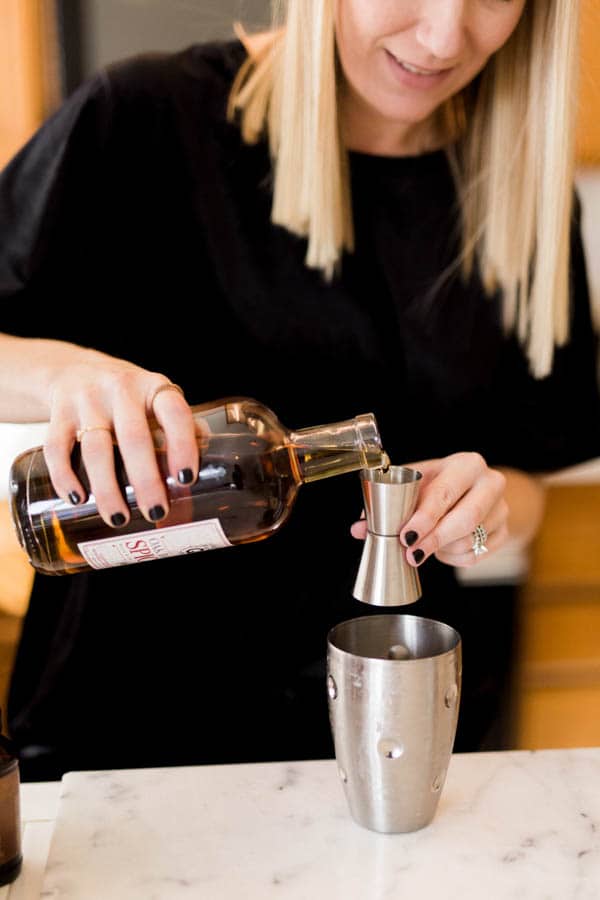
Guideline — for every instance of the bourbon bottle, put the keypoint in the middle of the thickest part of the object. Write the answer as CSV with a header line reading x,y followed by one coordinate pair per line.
x,y
250,470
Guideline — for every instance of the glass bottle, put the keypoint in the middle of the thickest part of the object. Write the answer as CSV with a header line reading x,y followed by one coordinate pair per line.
x,y
250,470
10,812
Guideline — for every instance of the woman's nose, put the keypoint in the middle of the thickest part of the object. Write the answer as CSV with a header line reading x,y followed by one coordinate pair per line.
x,y
442,28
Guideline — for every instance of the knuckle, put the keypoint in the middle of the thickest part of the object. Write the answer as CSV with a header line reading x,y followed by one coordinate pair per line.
x,y
107,498
59,468
466,558
147,487
434,542
156,381
502,534
90,395
476,516
123,380
93,456
135,438
62,483
159,377
142,485
466,547
499,480
180,445
443,498
56,446
477,459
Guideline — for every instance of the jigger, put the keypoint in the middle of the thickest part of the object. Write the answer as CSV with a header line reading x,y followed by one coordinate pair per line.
x,y
384,576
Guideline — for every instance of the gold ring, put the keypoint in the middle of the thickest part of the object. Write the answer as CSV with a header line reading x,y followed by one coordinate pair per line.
x,y
86,428
170,386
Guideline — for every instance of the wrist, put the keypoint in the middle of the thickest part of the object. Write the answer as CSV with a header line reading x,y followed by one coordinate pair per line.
x,y
525,495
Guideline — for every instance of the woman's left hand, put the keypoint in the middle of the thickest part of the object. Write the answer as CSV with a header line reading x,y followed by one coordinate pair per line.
x,y
457,493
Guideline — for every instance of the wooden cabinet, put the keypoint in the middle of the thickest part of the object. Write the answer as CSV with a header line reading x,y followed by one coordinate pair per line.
x,y
558,669
29,82
16,575
588,134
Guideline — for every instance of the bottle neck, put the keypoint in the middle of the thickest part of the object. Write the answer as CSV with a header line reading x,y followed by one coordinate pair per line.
x,y
327,450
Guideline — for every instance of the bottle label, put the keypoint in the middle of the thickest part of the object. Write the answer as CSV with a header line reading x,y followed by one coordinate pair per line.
x,y
176,540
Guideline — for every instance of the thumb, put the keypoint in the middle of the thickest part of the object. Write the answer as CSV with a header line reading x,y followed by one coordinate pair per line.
x,y
359,529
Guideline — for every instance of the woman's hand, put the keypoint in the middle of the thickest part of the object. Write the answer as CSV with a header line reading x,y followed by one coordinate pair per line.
x,y
101,400
457,493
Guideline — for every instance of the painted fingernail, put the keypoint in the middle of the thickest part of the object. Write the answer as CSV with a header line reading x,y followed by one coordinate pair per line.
x,y
418,556
74,498
157,512
117,519
185,476
411,537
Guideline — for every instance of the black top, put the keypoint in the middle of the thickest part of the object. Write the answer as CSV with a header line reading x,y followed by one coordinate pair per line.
x,y
136,221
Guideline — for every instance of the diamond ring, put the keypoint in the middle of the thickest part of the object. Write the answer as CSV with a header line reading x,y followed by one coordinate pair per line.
x,y
480,536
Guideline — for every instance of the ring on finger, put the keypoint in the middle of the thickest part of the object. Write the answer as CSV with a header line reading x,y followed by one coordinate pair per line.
x,y
480,537
86,428
169,386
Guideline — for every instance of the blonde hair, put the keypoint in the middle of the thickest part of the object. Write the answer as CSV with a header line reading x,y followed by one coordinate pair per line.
x,y
513,159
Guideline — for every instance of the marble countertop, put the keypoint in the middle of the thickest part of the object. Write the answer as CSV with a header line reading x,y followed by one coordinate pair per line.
x,y
509,825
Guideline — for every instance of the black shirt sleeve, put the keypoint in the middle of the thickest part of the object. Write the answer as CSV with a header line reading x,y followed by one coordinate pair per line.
x,y
103,214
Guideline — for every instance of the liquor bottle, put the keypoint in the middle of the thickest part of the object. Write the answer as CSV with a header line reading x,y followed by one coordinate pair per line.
x,y
250,470
10,812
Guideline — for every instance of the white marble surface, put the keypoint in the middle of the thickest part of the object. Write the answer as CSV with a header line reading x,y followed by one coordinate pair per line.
x,y
509,825
39,803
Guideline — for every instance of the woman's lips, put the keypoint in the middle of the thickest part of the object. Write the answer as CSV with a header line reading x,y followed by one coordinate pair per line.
x,y
415,77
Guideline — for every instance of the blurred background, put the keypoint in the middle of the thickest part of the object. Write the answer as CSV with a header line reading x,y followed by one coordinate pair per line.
x,y
47,47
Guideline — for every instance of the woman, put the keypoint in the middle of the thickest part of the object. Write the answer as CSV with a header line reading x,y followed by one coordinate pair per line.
x,y
365,209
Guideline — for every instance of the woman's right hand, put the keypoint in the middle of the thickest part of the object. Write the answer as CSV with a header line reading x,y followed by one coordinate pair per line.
x,y
99,399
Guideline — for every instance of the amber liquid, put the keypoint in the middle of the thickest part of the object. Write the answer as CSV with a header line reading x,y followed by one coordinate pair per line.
x,y
244,481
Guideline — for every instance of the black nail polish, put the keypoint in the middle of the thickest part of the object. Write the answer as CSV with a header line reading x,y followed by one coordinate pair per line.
x,y
74,498
157,512
418,556
411,537
117,519
185,476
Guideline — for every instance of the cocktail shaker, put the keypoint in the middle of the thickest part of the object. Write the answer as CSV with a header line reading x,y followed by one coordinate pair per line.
x,y
394,692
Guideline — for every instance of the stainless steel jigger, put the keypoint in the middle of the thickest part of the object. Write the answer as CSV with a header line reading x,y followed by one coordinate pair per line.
x,y
384,576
